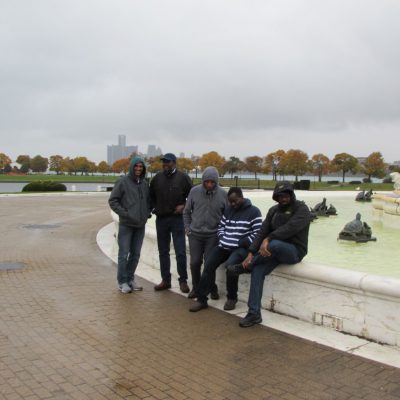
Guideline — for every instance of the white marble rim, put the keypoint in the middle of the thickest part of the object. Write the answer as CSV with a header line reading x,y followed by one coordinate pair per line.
x,y
385,354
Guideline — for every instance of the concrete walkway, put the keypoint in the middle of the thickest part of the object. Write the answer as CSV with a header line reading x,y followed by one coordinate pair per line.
x,y
67,333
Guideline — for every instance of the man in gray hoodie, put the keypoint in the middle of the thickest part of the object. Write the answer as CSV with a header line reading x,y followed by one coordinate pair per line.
x,y
130,200
203,211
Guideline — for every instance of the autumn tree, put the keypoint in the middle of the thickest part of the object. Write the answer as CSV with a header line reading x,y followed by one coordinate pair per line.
x,y
103,167
234,165
68,166
212,159
25,162
272,163
185,164
39,164
121,165
374,166
4,161
344,162
55,163
82,165
295,162
154,165
254,164
320,165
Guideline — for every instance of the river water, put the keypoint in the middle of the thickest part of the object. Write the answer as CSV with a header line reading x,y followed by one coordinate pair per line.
x,y
16,187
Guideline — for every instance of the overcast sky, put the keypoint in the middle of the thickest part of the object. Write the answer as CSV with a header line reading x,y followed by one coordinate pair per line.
x,y
244,77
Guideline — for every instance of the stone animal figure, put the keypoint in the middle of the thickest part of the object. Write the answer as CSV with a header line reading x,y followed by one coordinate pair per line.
x,y
356,231
364,196
321,209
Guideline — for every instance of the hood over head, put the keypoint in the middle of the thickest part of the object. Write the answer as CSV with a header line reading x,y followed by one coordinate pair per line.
x,y
134,161
210,174
284,187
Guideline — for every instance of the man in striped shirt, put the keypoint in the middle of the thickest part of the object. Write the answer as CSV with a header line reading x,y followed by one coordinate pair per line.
x,y
238,227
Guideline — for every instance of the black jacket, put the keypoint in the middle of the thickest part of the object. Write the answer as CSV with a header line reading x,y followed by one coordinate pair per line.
x,y
169,191
130,198
290,224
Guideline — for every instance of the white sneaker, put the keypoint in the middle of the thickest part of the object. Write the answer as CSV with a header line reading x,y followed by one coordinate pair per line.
x,y
124,288
135,287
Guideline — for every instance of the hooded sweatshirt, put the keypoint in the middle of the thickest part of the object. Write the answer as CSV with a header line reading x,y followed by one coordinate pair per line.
x,y
130,197
289,223
204,208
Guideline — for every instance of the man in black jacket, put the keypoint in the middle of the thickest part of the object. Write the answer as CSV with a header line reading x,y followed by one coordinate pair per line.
x,y
283,239
169,190
130,200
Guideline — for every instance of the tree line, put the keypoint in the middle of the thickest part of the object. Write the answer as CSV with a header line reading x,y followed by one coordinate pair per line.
x,y
279,163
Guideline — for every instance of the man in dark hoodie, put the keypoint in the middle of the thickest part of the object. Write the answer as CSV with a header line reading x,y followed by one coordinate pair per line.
x,y
169,190
201,216
237,229
283,239
130,200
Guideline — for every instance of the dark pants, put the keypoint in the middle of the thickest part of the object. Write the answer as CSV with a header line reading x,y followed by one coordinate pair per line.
x,y
200,248
217,256
130,242
281,253
168,226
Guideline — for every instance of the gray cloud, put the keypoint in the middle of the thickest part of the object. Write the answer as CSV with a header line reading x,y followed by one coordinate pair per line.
x,y
242,77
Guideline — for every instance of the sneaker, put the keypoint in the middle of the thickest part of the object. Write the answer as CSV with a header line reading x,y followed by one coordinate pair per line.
x,y
162,286
192,294
197,306
230,304
236,270
124,288
250,320
184,287
135,287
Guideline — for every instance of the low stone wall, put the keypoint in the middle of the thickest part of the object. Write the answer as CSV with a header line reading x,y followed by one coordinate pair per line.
x,y
347,301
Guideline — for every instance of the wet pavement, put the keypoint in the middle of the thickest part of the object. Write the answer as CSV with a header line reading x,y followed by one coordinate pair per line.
x,y
67,333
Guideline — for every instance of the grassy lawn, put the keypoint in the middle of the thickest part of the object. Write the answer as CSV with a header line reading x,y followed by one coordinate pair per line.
x,y
227,182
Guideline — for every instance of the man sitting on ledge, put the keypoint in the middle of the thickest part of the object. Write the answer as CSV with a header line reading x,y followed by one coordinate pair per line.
x,y
283,239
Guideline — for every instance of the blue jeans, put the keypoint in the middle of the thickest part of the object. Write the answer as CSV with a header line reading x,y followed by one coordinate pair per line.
x,y
281,253
171,225
130,242
217,256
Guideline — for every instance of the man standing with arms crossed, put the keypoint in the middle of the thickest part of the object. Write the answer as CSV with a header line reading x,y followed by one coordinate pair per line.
x,y
168,192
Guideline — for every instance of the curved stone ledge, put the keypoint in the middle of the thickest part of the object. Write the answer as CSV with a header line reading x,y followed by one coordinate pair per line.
x,y
348,301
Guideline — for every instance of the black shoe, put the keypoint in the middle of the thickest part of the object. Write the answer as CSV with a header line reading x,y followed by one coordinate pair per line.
x,y
250,320
192,294
162,286
197,306
230,304
236,270
184,287
214,295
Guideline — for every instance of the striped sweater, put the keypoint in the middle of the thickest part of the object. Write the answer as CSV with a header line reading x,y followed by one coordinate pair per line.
x,y
238,228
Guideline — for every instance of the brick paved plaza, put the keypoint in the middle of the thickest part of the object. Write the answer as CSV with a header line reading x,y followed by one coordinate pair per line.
x,y
67,333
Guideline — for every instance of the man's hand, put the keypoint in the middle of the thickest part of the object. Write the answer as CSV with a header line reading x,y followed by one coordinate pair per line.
x,y
247,261
264,248
179,209
187,231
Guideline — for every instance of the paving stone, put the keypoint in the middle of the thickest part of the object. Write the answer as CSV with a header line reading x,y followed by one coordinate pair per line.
x,y
67,333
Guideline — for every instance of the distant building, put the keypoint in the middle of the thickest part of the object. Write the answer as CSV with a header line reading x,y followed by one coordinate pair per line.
x,y
181,155
153,151
121,150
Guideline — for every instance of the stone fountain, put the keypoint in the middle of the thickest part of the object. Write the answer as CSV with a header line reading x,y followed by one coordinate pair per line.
x,y
387,205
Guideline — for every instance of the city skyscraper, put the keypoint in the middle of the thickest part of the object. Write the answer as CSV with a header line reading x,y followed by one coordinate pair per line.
x,y
121,150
